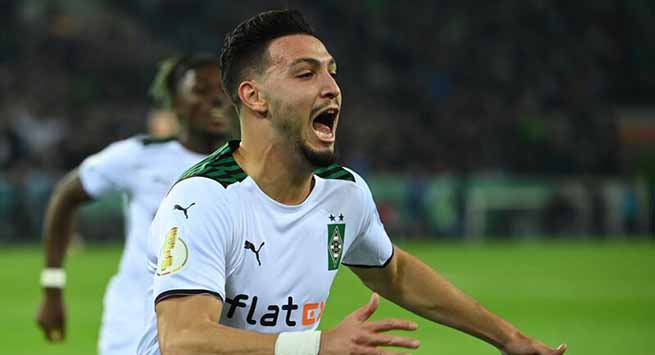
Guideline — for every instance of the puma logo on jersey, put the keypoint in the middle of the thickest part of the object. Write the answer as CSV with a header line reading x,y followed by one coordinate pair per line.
x,y
248,245
184,210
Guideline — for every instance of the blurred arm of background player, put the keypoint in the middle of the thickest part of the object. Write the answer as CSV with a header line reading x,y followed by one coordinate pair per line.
x,y
410,283
68,196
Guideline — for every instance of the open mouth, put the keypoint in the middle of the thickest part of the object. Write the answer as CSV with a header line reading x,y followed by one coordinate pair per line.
x,y
324,124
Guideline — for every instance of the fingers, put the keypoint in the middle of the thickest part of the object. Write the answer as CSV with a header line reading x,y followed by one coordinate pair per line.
x,y
366,311
546,350
52,333
53,329
389,340
55,335
391,324
560,349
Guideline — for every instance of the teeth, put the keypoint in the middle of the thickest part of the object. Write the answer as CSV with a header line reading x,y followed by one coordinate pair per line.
x,y
330,111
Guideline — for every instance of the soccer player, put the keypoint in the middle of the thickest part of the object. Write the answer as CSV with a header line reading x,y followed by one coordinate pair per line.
x,y
248,270
143,169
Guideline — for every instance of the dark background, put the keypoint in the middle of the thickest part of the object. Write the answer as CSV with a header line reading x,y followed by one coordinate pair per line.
x,y
459,89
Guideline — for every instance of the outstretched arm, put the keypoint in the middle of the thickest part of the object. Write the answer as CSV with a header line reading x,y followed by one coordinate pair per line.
x,y
62,207
189,325
415,286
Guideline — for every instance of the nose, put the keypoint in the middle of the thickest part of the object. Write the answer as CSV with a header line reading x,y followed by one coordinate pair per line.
x,y
330,88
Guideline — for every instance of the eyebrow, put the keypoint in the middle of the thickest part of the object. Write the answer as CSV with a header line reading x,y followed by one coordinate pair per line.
x,y
313,62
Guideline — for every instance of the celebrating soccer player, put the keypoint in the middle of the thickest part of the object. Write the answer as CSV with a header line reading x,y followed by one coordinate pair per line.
x,y
248,269
143,169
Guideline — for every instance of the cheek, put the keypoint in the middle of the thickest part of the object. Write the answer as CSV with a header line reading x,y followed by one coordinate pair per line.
x,y
199,107
279,107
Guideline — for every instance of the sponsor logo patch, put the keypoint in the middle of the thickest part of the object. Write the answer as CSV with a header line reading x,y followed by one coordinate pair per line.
x,y
174,254
288,313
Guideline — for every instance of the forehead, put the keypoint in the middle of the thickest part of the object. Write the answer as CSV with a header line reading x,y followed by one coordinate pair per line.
x,y
200,76
284,50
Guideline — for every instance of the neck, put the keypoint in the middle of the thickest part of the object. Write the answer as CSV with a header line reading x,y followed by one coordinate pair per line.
x,y
200,143
279,170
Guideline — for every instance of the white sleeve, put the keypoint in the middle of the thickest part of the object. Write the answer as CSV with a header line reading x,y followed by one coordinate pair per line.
x,y
109,170
192,236
372,246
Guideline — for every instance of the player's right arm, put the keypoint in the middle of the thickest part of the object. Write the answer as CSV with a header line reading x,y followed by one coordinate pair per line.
x,y
189,325
198,250
98,175
68,196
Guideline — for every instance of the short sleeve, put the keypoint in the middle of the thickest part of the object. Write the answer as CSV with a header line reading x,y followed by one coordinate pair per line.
x,y
192,240
108,170
372,246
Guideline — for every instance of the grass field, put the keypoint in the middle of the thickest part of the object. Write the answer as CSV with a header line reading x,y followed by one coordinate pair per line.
x,y
597,297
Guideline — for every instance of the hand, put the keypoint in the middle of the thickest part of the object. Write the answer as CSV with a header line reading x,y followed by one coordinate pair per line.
x,y
523,345
51,316
356,335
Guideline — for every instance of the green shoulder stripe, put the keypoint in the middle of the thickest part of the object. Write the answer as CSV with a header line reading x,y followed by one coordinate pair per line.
x,y
219,166
334,171
148,140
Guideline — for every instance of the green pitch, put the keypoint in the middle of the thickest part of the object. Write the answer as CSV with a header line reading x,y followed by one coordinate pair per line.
x,y
597,297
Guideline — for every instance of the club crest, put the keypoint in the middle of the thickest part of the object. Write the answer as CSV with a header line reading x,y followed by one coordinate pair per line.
x,y
336,234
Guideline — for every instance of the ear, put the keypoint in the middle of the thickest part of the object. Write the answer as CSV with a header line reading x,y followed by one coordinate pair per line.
x,y
252,97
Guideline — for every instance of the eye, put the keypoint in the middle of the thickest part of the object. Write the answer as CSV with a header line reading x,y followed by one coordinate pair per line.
x,y
334,74
305,75
201,90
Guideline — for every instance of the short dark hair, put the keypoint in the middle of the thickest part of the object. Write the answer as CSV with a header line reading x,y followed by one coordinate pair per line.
x,y
244,48
165,87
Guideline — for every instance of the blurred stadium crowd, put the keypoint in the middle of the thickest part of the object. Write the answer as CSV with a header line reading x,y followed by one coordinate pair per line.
x,y
430,88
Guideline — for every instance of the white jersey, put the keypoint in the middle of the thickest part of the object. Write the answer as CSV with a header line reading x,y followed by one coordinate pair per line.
x,y
143,170
271,264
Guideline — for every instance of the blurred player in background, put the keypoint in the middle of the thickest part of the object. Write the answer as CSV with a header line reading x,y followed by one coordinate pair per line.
x,y
142,168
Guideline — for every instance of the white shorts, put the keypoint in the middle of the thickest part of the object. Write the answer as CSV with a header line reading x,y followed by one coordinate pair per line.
x,y
122,317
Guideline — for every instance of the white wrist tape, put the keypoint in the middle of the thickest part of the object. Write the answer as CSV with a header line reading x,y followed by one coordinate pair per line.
x,y
298,343
53,277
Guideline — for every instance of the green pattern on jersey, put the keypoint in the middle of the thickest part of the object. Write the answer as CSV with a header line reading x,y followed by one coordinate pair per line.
x,y
148,140
219,166
335,171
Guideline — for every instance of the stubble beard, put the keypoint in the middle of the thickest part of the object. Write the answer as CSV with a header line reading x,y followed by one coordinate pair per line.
x,y
316,158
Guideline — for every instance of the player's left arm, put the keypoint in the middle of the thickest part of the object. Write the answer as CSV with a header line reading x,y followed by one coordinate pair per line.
x,y
413,285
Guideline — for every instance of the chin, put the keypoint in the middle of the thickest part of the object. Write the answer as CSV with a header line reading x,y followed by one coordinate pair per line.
x,y
319,157
217,134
